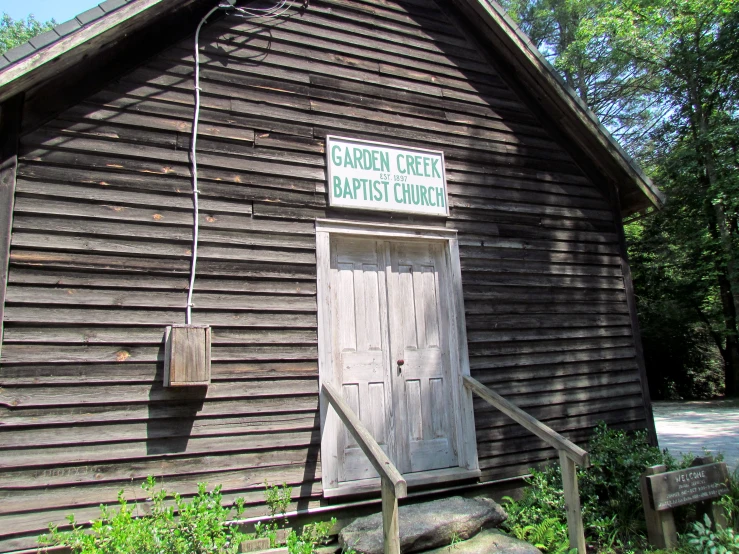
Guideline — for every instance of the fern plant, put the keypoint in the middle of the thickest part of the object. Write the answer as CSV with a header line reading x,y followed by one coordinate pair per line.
x,y
549,536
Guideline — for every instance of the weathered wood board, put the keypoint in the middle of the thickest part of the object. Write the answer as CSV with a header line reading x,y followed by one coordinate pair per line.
x,y
187,355
677,488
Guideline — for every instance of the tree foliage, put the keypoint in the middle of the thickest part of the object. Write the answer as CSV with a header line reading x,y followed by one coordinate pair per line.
x,y
15,32
663,76
618,89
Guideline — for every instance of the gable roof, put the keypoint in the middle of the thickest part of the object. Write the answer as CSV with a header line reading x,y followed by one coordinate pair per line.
x,y
67,44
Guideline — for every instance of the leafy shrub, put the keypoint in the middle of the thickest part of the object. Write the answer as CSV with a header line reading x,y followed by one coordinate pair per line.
x,y
609,490
200,528
730,501
313,535
704,540
549,536
278,499
542,501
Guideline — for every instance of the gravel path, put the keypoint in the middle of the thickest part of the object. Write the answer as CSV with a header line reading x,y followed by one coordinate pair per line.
x,y
684,427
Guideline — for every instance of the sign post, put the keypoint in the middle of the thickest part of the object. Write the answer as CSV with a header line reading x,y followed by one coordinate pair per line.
x,y
369,175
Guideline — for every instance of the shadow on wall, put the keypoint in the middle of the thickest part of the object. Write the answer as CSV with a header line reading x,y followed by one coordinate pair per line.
x,y
548,325
172,413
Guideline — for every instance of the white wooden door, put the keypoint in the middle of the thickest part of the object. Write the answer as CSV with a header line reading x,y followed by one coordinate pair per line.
x,y
387,305
419,337
359,309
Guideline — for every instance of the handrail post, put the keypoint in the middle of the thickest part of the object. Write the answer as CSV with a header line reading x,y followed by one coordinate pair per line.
x,y
572,502
393,485
390,526
569,455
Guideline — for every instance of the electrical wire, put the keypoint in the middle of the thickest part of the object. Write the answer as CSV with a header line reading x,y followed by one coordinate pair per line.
x,y
274,11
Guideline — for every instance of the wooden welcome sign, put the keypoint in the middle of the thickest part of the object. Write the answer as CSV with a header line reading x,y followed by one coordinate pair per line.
x,y
695,484
664,490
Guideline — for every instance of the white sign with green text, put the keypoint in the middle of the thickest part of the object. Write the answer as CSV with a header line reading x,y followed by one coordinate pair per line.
x,y
375,176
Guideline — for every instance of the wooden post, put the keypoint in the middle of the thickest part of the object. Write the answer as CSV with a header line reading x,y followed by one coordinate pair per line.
x,y
390,527
393,484
572,502
715,512
660,525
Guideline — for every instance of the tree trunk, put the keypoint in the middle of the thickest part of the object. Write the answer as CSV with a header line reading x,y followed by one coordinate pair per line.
x,y
724,259
728,286
731,366
730,352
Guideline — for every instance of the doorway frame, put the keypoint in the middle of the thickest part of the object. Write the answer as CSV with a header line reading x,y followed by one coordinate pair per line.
x,y
466,446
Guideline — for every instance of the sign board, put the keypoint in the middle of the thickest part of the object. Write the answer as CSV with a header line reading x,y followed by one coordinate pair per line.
x,y
675,488
376,176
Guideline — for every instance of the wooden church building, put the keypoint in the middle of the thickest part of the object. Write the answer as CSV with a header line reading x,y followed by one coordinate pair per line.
x,y
392,194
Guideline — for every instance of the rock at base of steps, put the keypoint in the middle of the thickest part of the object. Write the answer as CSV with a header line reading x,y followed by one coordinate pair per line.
x,y
491,541
427,525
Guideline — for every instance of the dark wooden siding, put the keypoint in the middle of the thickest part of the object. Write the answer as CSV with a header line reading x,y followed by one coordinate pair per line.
x,y
102,236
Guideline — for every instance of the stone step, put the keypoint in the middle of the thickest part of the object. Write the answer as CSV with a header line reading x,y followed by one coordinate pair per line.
x,y
488,541
426,525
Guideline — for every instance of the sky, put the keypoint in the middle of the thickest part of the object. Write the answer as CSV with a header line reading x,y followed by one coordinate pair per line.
x,y
43,10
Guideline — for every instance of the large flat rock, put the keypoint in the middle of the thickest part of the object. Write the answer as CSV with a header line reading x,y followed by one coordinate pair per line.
x,y
490,541
425,526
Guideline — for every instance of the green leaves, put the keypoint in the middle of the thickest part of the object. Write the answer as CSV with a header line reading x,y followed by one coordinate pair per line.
x,y
577,37
549,536
609,491
705,540
199,528
15,32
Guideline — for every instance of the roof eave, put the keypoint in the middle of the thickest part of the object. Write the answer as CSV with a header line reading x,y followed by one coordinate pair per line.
x,y
57,56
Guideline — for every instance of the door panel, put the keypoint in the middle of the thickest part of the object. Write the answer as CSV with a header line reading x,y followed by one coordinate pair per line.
x,y
385,305
360,348
427,438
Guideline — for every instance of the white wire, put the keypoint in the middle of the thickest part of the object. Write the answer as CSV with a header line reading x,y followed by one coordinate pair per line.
x,y
275,11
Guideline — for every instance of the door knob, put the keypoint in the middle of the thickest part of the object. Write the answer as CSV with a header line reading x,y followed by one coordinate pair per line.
x,y
400,365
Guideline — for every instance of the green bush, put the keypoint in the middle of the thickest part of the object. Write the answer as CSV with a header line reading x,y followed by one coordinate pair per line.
x,y
200,528
730,501
313,535
278,499
610,488
542,503
705,540
610,494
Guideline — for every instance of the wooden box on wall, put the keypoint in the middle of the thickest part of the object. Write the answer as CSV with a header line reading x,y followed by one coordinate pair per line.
x,y
187,356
